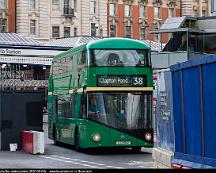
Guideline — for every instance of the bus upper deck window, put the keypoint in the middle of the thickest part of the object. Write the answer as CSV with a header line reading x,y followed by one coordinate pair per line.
x,y
83,58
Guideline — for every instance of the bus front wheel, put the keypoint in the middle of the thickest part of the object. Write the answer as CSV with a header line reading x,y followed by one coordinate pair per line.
x,y
136,149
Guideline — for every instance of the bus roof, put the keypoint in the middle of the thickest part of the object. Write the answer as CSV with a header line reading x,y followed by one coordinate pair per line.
x,y
107,43
117,43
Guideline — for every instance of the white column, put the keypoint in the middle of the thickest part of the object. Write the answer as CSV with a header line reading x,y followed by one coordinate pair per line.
x,y
200,8
209,7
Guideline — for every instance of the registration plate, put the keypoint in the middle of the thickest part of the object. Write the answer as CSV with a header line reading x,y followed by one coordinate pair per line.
x,y
123,142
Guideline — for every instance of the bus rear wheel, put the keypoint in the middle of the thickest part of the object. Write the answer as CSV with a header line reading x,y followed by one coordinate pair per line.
x,y
136,149
55,135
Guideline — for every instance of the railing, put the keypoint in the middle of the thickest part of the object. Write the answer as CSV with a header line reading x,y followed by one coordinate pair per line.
x,y
68,12
22,84
166,59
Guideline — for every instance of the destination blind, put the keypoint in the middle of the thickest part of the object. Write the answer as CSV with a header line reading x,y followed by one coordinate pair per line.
x,y
121,81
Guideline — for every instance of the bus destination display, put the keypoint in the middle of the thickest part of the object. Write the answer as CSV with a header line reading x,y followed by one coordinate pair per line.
x,y
120,81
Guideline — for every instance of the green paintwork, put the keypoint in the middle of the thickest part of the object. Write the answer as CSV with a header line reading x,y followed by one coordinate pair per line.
x,y
61,84
117,43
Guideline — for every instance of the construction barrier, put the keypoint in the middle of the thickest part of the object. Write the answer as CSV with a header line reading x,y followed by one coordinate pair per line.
x,y
33,142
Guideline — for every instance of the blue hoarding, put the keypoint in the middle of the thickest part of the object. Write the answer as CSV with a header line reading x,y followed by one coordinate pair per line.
x,y
194,112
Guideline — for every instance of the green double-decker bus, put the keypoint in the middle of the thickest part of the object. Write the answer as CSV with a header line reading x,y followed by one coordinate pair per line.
x,y
100,95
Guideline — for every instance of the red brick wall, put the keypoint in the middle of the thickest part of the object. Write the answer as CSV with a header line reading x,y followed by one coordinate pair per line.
x,y
164,15
177,12
11,16
120,25
150,16
135,15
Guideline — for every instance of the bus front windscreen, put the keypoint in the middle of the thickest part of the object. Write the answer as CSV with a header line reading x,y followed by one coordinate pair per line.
x,y
121,110
126,58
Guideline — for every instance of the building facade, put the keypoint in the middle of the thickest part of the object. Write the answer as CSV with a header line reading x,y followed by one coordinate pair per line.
x,y
49,19
7,16
212,7
197,8
135,18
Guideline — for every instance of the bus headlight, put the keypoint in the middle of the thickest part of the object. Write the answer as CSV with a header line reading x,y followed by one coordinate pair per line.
x,y
96,138
148,136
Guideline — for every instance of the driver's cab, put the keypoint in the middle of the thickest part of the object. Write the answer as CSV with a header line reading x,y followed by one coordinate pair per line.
x,y
114,60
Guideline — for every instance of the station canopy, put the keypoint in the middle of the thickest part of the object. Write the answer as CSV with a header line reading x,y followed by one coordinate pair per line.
x,y
18,49
71,42
15,39
176,24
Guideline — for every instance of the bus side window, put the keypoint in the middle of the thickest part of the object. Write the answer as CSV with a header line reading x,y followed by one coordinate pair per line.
x,y
71,108
83,58
55,106
82,112
59,108
142,59
67,108
72,105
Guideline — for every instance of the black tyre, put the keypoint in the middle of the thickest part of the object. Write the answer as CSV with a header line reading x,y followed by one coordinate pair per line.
x,y
136,149
55,135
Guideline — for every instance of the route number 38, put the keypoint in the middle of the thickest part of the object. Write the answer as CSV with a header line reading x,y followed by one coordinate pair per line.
x,y
138,81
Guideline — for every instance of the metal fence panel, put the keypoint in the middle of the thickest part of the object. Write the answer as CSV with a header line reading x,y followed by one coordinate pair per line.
x,y
164,120
209,93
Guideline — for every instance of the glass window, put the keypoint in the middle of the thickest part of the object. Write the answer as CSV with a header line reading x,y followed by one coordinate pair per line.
x,y
125,58
93,7
127,10
142,33
72,105
112,9
83,58
213,6
66,31
170,12
75,32
203,12
66,4
112,30
64,108
62,65
93,30
75,5
55,5
128,31
157,12
121,110
55,31
3,4
142,11
32,5
3,25
82,112
157,37
60,108
33,27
